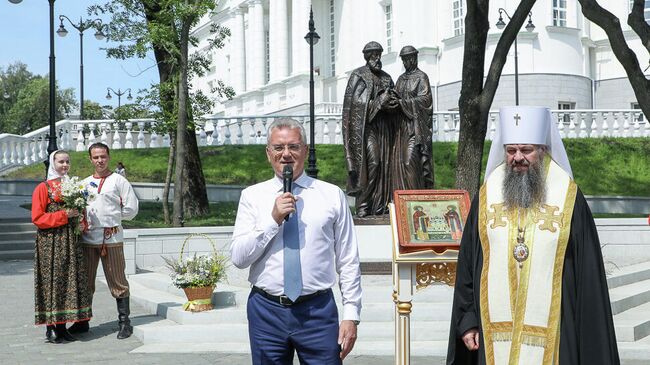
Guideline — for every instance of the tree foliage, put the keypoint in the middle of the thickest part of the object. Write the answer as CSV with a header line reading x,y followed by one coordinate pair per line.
x,y
26,105
624,54
94,111
163,26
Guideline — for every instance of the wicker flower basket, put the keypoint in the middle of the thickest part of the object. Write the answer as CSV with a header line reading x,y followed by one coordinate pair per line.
x,y
199,299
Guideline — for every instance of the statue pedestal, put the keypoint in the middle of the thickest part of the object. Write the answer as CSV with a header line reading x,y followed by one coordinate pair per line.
x,y
375,243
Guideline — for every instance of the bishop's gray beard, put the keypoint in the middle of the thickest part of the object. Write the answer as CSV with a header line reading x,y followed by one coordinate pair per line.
x,y
524,189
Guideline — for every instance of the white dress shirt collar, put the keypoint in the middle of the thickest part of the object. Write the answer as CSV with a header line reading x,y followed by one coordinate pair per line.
x,y
304,181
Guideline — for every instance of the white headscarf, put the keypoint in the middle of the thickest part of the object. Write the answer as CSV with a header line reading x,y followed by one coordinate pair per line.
x,y
51,171
537,127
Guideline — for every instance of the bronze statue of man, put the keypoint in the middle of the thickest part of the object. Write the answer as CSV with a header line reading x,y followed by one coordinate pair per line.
x,y
413,168
369,126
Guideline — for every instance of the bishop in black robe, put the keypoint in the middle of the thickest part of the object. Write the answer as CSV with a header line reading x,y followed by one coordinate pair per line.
x,y
586,327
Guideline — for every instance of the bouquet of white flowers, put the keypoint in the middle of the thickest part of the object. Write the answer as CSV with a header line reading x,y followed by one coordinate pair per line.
x,y
75,195
197,271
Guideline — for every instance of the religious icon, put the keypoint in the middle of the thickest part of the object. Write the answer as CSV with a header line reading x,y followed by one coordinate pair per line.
x,y
420,223
453,221
430,219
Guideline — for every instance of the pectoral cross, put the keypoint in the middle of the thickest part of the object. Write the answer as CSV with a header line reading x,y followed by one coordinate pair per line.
x,y
517,118
549,217
498,215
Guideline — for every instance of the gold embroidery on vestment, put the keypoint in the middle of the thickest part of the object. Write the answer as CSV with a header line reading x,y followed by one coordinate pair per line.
x,y
549,217
484,305
498,216
552,349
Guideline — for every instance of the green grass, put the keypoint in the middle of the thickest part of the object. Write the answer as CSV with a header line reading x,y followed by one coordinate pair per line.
x,y
604,166
150,215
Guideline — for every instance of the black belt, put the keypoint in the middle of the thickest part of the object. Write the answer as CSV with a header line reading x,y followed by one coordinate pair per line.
x,y
284,300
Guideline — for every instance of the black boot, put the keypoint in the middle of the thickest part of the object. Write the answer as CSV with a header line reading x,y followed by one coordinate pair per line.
x,y
50,336
62,333
79,327
123,311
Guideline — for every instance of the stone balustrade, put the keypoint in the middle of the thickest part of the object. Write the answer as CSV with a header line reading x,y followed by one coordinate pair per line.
x,y
16,151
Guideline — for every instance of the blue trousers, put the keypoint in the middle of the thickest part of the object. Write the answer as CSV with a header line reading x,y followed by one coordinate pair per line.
x,y
309,328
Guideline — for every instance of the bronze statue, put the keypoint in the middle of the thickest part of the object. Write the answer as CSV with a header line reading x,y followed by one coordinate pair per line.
x,y
413,168
369,128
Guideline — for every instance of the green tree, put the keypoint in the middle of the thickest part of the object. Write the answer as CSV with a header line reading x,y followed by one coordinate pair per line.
x,y
94,111
31,108
163,26
12,80
619,44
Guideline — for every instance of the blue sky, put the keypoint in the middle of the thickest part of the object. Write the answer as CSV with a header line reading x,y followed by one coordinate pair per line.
x,y
24,36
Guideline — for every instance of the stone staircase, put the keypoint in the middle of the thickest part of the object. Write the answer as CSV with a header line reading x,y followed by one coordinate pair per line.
x,y
225,328
17,239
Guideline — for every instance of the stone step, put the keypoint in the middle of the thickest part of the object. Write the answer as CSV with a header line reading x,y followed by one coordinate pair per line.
x,y
20,226
24,220
361,347
17,255
225,295
229,310
430,321
17,245
629,274
225,328
172,333
629,296
376,289
639,350
633,324
17,236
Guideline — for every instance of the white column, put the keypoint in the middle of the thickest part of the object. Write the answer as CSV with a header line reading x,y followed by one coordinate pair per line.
x,y
299,28
256,51
238,51
278,39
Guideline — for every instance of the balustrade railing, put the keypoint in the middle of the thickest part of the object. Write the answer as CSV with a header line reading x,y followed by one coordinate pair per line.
x,y
77,135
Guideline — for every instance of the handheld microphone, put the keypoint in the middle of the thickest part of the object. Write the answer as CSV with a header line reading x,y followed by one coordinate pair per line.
x,y
287,180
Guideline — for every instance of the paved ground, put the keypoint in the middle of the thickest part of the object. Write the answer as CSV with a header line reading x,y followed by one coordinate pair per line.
x,y
23,343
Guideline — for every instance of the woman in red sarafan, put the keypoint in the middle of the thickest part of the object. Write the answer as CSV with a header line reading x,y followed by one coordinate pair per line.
x,y
60,281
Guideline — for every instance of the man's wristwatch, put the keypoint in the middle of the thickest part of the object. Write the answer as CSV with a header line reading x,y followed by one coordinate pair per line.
x,y
356,322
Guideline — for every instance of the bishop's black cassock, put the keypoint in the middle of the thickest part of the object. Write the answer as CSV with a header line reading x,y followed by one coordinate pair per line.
x,y
586,327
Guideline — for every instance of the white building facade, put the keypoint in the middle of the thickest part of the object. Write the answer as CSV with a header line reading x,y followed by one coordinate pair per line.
x,y
565,63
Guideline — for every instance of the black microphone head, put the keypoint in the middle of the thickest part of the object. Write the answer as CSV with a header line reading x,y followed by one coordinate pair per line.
x,y
287,172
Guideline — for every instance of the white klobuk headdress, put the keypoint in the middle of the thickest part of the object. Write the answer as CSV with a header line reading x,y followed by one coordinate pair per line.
x,y
51,171
527,125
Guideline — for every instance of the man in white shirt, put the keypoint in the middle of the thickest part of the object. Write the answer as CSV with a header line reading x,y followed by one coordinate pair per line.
x,y
103,239
312,228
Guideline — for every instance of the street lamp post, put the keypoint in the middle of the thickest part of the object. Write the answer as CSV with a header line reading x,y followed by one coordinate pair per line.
x,y
529,27
119,94
312,38
81,27
51,146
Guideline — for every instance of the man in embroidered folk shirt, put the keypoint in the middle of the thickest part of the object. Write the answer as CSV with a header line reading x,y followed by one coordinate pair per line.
x,y
114,201
295,244
530,281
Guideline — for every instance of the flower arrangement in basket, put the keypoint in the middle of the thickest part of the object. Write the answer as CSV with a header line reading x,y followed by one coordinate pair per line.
x,y
75,195
198,275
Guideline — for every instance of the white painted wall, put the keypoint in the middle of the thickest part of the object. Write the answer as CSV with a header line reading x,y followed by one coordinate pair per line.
x,y
579,49
625,242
